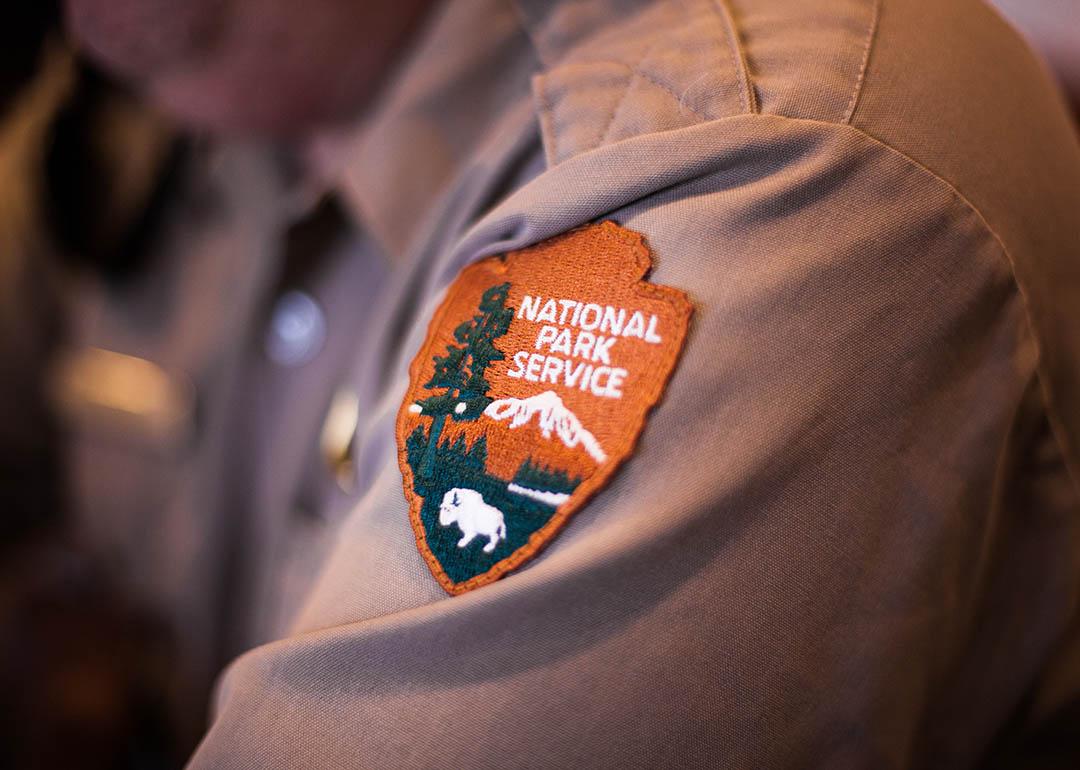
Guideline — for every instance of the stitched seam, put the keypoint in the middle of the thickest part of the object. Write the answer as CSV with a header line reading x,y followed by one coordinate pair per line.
x,y
738,57
1057,425
546,118
871,35
626,92
683,107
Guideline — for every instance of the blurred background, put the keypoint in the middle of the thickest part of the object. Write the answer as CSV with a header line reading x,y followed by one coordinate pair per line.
x,y
160,235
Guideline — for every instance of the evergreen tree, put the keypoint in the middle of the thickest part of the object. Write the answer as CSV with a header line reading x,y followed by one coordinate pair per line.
x,y
478,454
460,372
536,476
415,445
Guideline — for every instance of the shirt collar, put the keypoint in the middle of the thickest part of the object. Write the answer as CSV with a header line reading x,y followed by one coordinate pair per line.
x,y
431,119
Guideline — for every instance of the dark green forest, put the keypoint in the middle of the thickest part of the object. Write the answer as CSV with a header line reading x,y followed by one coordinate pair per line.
x,y
458,465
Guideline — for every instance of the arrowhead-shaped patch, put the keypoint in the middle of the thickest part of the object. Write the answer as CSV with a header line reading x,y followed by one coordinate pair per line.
x,y
533,384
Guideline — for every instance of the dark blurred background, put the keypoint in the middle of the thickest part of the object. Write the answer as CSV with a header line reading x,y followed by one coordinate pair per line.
x,y
155,242
86,674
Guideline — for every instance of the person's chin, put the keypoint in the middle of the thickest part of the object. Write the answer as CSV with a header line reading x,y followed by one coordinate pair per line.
x,y
220,105
144,38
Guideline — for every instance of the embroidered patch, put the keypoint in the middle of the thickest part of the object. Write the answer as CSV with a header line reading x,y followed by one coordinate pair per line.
x,y
531,388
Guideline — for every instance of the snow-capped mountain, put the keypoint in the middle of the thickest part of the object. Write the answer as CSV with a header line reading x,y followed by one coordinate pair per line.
x,y
553,416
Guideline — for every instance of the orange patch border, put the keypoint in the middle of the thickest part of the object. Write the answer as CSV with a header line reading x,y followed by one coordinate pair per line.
x,y
683,307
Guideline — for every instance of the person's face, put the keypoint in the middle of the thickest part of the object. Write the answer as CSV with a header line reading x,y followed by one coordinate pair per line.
x,y
265,66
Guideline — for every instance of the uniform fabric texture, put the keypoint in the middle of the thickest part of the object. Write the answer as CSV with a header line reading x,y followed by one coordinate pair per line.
x,y
850,534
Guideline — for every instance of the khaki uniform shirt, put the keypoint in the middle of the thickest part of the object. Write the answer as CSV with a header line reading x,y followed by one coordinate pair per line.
x,y
850,533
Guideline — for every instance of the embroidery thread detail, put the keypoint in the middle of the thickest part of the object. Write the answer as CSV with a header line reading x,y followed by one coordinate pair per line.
x,y
553,416
532,386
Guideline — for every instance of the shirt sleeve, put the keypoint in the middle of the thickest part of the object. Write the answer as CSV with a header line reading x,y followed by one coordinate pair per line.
x,y
822,551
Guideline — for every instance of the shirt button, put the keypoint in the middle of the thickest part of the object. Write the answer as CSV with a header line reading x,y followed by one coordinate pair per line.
x,y
339,436
297,330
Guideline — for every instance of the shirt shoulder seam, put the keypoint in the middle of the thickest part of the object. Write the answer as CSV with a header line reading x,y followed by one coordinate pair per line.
x,y
868,45
747,95
1057,425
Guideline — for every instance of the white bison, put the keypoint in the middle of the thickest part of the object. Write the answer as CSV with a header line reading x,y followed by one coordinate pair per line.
x,y
473,516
